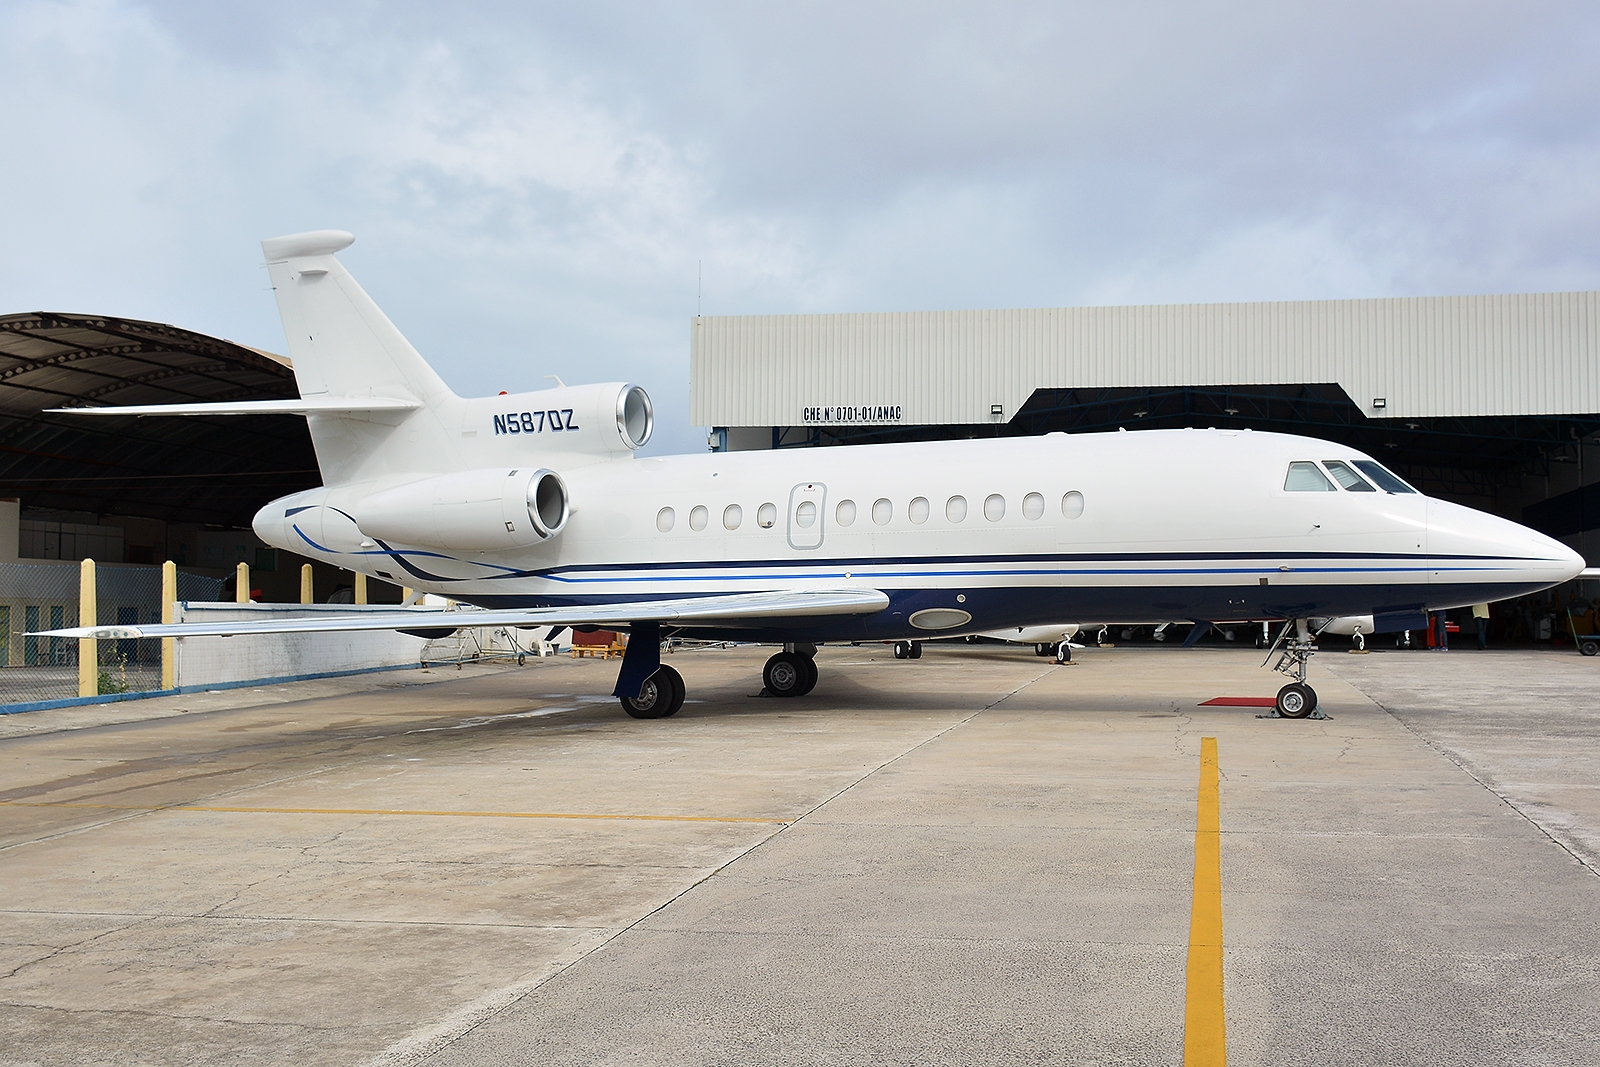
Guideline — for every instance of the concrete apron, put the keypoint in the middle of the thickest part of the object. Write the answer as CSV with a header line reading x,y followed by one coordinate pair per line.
x,y
972,857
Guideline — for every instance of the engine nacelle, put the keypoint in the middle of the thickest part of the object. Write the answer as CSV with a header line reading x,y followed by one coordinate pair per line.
x,y
474,511
613,418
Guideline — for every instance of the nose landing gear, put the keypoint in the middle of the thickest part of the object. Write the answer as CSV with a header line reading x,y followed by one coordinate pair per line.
x,y
1297,700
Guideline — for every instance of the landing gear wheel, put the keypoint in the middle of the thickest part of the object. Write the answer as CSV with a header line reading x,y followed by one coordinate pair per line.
x,y
810,682
1296,700
660,698
786,674
1041,650
902,650
1064,652
1589,648
916,650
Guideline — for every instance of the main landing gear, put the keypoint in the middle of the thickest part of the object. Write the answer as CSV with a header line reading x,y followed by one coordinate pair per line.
x,y
908,650
789,674
792,672
1061,650
1297,700
660,697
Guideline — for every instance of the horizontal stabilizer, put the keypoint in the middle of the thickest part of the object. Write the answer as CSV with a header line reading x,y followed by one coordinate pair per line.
x,y
1590,572
322,405
735,609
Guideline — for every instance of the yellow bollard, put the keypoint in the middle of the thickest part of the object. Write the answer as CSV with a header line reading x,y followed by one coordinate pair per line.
x,y
305,584
361,588
241,595
88,648
169,608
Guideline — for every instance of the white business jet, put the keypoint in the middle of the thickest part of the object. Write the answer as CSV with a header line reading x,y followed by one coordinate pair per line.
x,y
534,508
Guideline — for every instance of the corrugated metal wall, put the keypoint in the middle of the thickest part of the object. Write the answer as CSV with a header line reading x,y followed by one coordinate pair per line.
x,y
1530,354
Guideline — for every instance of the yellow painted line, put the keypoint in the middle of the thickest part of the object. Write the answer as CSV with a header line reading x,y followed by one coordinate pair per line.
x,y
1205,1042
407,811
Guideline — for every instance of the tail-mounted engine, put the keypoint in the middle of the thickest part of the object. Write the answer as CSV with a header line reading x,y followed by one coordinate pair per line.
x,y
474,511
614,418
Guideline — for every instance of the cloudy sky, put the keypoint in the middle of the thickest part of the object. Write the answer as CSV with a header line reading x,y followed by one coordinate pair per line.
x,y
534,188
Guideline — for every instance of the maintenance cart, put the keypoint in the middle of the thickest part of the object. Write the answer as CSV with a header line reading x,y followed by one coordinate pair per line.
x,y
1588,644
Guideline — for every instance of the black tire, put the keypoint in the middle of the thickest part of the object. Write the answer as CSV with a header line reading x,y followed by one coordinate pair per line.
x,y
916,650
1041,650
1589,648
679,691
785,674
1296,701
902,650
811,675
660,698
1064,652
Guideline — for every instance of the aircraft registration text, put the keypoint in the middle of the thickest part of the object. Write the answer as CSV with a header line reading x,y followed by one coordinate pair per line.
x,y
534,422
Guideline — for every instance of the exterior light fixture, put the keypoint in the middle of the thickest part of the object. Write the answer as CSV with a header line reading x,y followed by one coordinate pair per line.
x,y
996,411
1380,402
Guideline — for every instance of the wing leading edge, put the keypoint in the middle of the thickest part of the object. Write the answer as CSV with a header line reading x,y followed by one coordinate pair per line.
x,y
317,405
733,609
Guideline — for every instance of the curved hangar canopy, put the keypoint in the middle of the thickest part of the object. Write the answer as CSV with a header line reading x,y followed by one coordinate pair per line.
x,y
207,470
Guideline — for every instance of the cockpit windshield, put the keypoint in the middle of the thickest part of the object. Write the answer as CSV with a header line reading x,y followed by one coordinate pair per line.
x,y
1346,477
1383,476
1306,477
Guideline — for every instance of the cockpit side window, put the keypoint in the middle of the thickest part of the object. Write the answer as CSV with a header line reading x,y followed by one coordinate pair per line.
x,y
1346,477
1386,479
1305,477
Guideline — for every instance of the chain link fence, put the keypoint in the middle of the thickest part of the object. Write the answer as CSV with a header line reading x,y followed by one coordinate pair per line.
x,y
44,596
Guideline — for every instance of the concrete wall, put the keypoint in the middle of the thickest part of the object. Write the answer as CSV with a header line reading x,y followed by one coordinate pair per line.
x,y
203,661
218,660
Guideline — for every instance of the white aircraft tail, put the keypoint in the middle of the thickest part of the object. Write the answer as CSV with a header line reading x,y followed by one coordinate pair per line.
x,y
345,350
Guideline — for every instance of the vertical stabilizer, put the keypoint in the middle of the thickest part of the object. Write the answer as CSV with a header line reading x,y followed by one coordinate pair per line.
x,y
342,345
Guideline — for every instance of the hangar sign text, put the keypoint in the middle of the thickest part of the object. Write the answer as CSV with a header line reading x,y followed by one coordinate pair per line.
x,y
847,414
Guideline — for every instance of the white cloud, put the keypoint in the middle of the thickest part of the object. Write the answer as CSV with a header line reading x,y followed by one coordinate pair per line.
x,y
533,187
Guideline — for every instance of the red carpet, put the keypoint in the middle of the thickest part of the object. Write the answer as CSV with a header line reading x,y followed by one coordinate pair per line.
x,y
1239,702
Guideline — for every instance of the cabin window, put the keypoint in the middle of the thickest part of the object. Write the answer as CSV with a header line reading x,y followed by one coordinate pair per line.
x,y
882,511
732,516
955,509
1305,477
805,516
994,507
845,513
1072,504
698,516
1032,506
767,516
664,520
1346,477
1383,476
917,510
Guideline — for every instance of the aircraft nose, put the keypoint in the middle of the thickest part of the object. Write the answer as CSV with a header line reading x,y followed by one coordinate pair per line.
x,y
1468,546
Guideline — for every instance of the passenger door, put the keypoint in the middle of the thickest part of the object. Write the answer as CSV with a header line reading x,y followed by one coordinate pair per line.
x,y
806,514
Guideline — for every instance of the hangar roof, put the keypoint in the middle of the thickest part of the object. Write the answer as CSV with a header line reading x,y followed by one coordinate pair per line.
x,y
1528,354
206,470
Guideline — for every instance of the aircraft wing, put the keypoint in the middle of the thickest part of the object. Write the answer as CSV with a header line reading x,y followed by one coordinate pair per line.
x,y
733,609
312,406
